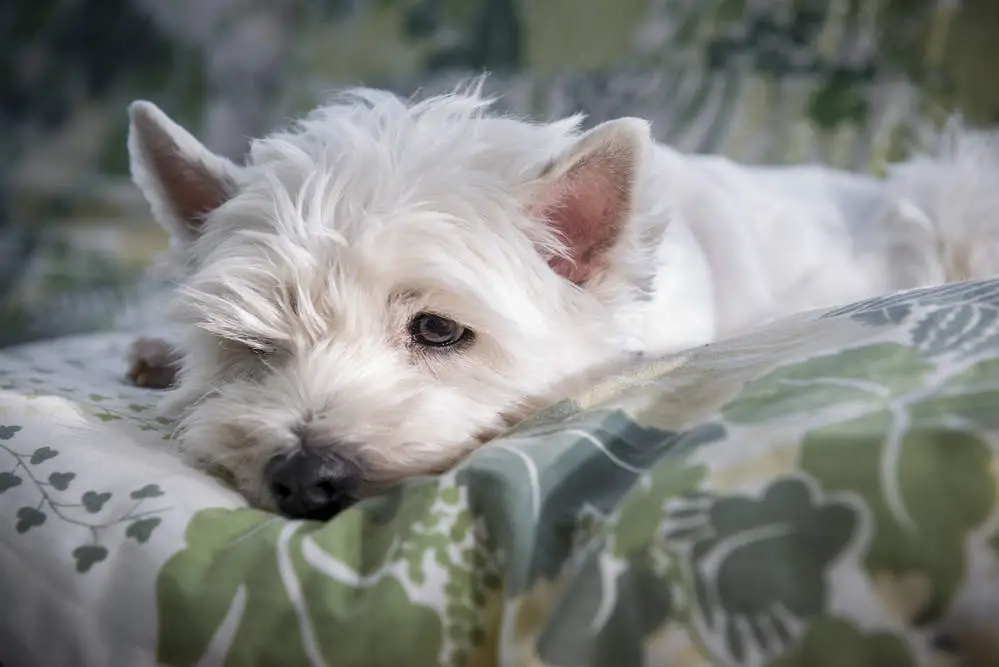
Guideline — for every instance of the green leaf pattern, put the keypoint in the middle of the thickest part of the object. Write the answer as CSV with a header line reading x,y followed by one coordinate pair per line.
x,y
832,502
827,506
53,498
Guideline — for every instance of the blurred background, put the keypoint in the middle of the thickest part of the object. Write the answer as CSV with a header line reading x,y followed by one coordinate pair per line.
x,y
851,82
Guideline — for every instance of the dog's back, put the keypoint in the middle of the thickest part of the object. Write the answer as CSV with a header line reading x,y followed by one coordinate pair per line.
x,y
956,189
781,240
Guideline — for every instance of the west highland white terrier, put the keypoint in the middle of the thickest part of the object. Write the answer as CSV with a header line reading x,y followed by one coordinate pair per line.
x,y
389,283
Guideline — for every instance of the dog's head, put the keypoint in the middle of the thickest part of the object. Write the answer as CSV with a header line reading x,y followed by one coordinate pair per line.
x,y
381,288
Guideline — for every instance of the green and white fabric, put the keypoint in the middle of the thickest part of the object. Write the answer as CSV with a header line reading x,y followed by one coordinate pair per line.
x,y
820,493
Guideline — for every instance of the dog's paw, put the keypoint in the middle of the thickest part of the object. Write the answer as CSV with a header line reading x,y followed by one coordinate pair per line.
x,y
152,364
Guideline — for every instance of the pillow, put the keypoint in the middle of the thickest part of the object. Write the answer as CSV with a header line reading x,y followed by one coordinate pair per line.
x,y
821,492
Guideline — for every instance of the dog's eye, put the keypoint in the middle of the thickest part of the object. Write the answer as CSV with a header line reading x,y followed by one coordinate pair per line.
x,y
436,331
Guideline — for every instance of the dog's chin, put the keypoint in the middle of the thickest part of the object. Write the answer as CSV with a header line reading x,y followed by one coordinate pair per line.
x,y
242,474
245,476
224,451
234,432
246,482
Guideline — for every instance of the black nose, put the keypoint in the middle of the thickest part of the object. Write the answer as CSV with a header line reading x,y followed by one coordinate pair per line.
x,y
306,485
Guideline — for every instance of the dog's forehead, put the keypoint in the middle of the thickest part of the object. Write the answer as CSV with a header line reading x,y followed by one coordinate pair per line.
x,y
307,218
378,160
350,211
332,279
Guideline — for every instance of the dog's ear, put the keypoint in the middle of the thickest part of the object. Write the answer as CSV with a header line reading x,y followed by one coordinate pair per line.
x,y
181,179
586,194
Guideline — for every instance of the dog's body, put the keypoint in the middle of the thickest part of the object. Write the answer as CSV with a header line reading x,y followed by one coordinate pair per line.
x,y
384,287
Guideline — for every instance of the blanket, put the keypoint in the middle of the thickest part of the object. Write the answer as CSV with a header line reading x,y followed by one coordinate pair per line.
x,y
821,492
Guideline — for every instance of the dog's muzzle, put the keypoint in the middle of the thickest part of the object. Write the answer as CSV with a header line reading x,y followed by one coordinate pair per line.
x,y
307,485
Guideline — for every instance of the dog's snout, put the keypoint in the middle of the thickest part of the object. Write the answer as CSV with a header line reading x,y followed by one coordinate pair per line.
x,y
307,485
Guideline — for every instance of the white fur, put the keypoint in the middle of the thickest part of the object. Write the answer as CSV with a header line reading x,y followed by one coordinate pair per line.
x,y
373,208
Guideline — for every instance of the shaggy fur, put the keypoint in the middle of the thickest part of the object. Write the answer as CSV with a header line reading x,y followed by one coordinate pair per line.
x,y
563,252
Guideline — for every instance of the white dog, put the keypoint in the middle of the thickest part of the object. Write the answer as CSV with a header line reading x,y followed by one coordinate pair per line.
x,y
385,286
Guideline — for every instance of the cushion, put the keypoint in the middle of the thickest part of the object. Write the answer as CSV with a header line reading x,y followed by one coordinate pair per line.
x,y
821,492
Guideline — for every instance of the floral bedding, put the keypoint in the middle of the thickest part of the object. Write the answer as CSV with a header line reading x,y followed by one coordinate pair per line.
x,y
820,493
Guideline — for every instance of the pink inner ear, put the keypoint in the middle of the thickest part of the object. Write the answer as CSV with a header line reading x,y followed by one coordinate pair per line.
x,y
588,207
193,190
190,185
